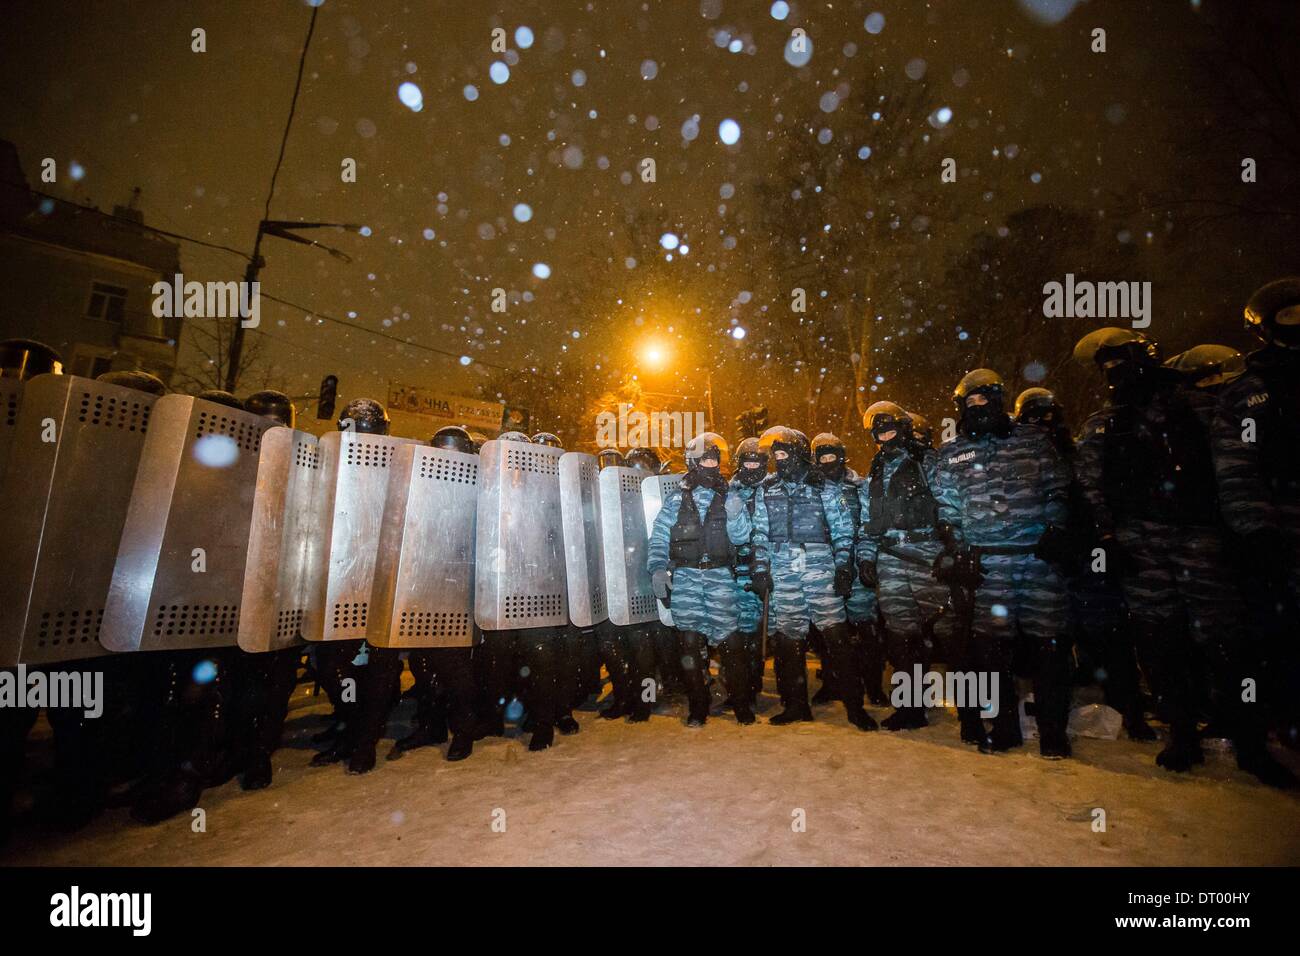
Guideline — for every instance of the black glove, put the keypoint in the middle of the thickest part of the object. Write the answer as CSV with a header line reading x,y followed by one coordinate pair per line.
x,y
944,569
761,584
662,582
867,575
843,581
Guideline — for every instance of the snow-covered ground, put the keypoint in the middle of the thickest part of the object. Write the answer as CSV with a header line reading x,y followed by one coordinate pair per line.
x,y
661,793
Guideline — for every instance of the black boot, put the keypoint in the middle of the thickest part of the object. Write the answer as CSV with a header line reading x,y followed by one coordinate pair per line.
x,y
757,665
792,680
177,792
1183,750
380,689
736,671
843,652
462,745
694,649
972,728
871,653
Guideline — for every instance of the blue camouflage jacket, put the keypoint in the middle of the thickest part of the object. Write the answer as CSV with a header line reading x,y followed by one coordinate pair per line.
x,y
839,521
995,490
738,528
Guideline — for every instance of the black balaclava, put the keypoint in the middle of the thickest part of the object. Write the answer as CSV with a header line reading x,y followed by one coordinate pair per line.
x,y
824,445
750,452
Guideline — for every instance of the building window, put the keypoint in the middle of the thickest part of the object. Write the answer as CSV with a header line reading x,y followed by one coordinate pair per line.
x,y
107,302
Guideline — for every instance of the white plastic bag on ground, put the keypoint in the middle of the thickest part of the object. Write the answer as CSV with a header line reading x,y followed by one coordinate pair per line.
x,y
1095,720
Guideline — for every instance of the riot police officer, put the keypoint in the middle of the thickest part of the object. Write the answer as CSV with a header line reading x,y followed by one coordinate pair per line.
x,y
692,566
194,729
749,468
1256,442
668,662
1002,496
803,552
1098,616
344,664
831,460
897,546
443,677
1145,467
628,652
266,680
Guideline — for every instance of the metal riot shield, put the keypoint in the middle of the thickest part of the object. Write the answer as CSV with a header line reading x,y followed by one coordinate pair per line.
x,y
654,490
423,593
179,576
76,445
11,396
626,543
583,559
350,511
282,541
519,577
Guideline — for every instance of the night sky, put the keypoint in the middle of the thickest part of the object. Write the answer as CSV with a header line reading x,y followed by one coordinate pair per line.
x,y
1031,115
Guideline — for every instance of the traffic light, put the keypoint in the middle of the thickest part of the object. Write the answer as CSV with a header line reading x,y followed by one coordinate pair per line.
x,y
329,390
752,422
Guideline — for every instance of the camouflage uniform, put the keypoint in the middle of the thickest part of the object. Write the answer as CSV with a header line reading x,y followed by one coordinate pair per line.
x,y
750,604
803,536
1146,473
897,535
703,592
998,493
1259,494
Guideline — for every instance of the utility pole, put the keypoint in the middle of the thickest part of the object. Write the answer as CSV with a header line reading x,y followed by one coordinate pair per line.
x,y
280,228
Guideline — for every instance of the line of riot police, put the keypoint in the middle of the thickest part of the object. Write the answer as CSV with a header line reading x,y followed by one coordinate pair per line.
x,y
1159,548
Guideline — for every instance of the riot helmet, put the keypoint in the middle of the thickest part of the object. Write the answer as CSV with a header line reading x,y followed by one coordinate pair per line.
x,y
515,436
1127,359
790,450
1273,313
367,416
706,450
1208,366
981,403
887,423
549,439
609,458
749,464
643,459
220,396
829,456
272,404
453,438
25,358
139,381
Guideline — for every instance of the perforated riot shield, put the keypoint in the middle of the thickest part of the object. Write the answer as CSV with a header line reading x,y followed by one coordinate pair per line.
x,y
76,445
654,490
11,396
584,561
179,576
282,541
423,593
350,511
519,577
626,543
